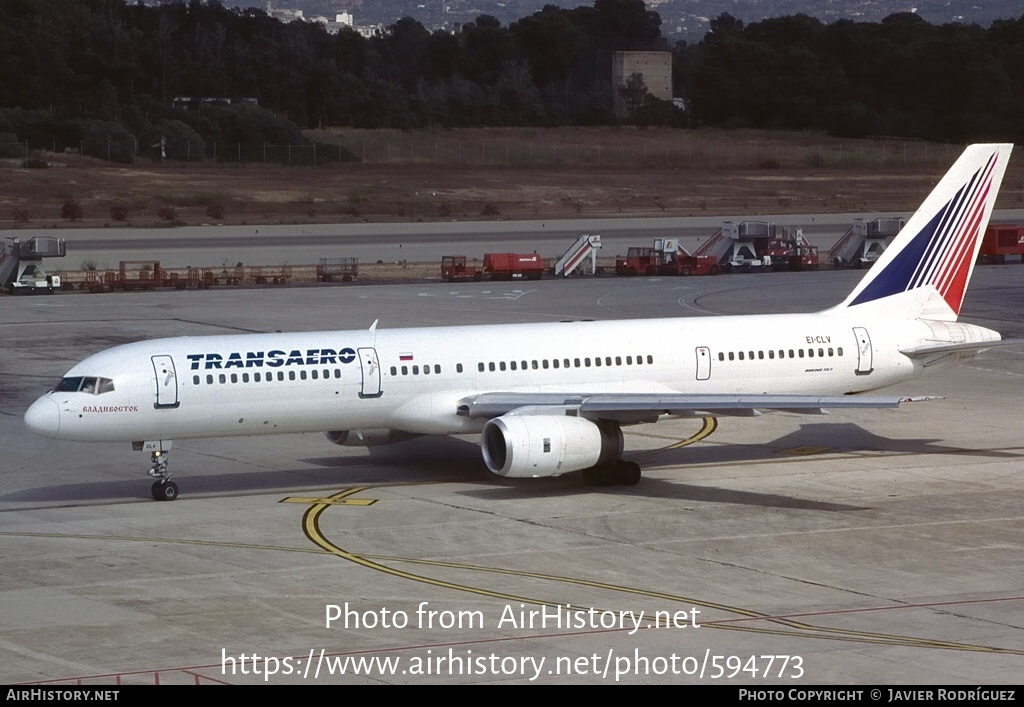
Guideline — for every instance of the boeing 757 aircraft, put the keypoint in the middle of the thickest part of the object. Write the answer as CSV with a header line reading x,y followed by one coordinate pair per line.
x,y
556,402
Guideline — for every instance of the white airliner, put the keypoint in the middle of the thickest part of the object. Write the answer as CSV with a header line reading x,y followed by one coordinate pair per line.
x,y
556,401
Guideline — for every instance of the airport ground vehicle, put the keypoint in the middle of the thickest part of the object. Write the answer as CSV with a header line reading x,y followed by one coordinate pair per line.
x,y
508,266
454,267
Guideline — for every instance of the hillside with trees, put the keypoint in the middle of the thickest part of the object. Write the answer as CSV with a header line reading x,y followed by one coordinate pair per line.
x,y
103,75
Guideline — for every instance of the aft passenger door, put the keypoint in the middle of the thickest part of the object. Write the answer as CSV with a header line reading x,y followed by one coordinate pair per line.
x,y
370,368
166,382
864,354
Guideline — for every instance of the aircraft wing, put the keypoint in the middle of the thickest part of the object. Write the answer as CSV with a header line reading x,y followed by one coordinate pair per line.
x,y
637,407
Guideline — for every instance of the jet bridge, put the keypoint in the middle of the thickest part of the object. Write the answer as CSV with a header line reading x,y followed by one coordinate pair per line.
x,y
21,264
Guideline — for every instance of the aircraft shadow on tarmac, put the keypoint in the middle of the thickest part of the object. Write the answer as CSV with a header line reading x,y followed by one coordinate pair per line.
x,y
810,440
434,459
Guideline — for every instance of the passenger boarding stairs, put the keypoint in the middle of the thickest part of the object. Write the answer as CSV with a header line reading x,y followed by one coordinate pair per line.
x,y
586,244
718,245
864,242
23,261
733,243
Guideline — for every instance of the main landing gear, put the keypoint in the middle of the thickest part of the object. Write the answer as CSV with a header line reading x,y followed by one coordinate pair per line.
x,y
618,473
163,488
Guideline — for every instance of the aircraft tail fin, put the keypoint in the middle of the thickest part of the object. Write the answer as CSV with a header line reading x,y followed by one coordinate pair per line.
x,y
925,271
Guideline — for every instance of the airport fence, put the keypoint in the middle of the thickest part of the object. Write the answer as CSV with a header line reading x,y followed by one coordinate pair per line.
x,y
394,149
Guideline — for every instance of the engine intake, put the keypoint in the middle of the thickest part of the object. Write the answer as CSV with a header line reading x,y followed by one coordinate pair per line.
x,y
548,445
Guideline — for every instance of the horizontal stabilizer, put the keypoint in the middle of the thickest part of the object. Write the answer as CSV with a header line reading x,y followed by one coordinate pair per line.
x,y
944,347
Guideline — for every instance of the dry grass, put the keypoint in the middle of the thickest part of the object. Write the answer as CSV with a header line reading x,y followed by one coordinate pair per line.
x,y
500,174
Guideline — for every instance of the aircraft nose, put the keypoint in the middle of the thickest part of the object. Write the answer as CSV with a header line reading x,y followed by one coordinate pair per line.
x,y
43,417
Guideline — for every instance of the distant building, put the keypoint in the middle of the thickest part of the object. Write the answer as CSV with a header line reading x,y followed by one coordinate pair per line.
x,y
655,67
283,15
189,102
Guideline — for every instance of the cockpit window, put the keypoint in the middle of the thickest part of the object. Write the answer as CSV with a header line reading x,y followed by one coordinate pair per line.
x,y
68,385
80,384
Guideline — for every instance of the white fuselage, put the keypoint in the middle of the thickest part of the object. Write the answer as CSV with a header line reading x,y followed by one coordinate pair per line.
x,y
412,380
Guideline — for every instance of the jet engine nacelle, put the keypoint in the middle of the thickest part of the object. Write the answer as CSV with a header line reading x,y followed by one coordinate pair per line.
x,y
547,445
367,438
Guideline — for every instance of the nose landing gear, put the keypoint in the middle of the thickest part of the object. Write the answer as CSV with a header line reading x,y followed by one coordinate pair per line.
x,y
163,489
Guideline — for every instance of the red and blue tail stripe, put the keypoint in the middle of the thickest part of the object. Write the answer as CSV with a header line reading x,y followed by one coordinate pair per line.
x,y
942,251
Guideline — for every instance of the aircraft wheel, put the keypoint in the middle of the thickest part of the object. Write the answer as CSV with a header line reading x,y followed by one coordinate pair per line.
x,y
602,475
167,491
628,473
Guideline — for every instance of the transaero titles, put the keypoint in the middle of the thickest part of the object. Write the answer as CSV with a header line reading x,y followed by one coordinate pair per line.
x,y
271,359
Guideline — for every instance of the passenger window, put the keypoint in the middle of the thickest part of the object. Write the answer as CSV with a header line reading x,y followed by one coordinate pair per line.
x,y
257,377
223,378
195,380
501,365
416,369
650,359
771,353
586,362
405,370
394,371
458,368
821,352
245,377
629,359
209,379
831,352
800,352
480,367
302,375
731,356
291,375
554,362
544,363
810,353
314,374
576,362
618,360
597,361
840,350
741,355
437,368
